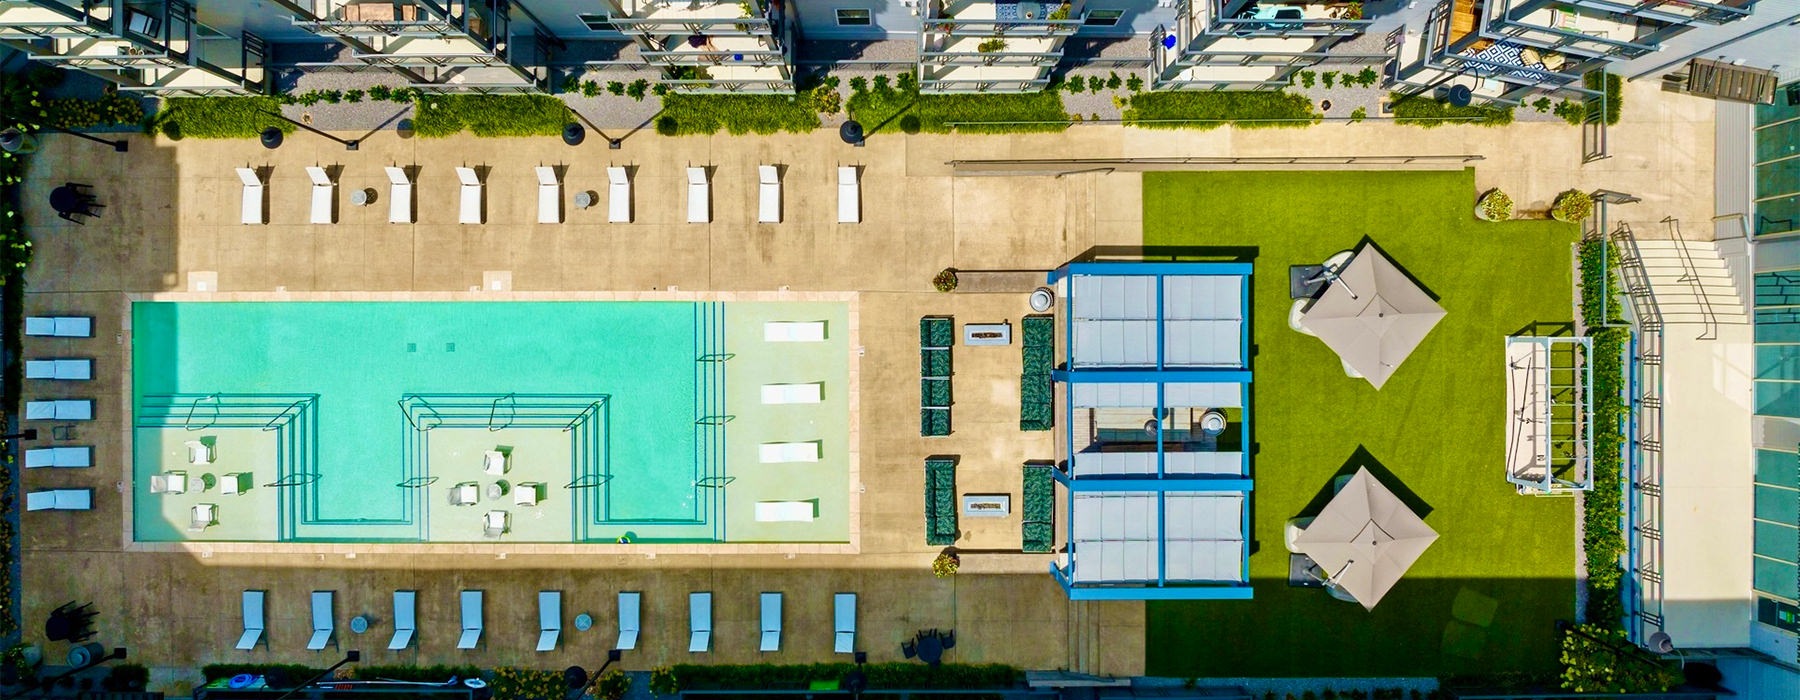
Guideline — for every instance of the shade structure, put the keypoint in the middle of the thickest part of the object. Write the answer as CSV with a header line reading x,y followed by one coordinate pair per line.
x,y
1372,315
1365,539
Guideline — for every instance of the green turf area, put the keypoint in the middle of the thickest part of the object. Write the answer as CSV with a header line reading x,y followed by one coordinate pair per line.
x,y
1484,597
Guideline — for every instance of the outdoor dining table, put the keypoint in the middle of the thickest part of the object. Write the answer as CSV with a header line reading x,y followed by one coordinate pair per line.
x,y
931,648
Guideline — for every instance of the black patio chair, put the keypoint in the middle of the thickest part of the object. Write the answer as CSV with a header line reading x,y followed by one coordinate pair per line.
x,y
909,649
948,639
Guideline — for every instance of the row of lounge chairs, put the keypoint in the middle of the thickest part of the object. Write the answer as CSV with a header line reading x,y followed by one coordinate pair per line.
x,y
936,334
941,525
472,190
1036,390
60,369
550,616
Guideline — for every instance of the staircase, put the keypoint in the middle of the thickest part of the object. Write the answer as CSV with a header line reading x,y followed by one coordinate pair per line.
x,y
1084,637
1693,284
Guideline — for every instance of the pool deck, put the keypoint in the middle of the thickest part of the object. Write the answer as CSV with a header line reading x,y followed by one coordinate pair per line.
x,y
171,226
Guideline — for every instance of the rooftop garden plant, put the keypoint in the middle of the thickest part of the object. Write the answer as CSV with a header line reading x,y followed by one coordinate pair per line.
x,y
1426,112
1212,109
1572,206
1494,206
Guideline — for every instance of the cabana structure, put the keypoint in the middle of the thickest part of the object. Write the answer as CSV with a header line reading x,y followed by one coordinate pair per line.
x,y
1154,410
1549,414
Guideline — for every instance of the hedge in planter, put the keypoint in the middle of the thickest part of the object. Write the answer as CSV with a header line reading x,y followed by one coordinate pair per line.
x,y
437,116
219,117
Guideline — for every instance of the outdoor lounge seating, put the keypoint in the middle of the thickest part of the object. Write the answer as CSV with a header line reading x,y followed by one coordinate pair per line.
x,y
549,619
471,620
528,493
60,409
1038,531
324,195
66,369
467,493
59,326
1036,390
629,623
169,482
324,621
699,622
849,195
771,622
786,511
59,457
199,451
792,393
400,196
256,196
253,620
768,194
549,196
60,499
699,196
496,523
203,515
405,619
618,195
782,452
843,628
941,527
235,483
936,334
495,462
793,331
469,205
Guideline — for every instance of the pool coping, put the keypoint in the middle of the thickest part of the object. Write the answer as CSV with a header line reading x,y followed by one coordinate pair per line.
x,y
205,548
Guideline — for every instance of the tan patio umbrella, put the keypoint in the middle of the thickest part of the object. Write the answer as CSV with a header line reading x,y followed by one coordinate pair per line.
x,y
1365,539
1372,315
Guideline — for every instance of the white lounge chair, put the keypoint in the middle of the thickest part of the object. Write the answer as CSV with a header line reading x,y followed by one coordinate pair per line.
x,y
549,619
324,195
549,196
771,622
699,622
628,619
699,196
467,493
204,515
843,630
59,457
849,196
793,331
64,369
792,393
496,523
470,210
199,452
785,511
169,482
471,620
405,622
400,196
324,621
618,195
235,483
528,493
60,499
782,452
768,189
60,409
253,621
256,194
60,326
494,462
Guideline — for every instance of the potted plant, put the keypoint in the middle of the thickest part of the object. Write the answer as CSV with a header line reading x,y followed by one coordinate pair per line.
x,y
1494,206
991,45
1060,13
1572,206
945,565
663,682
945,281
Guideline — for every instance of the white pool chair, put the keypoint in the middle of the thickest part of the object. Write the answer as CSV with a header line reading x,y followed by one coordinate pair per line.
x,y
528,493
469,211
843,630
324,621
496,523
169,483
549,619
59,457
253,621
785,511
629,621
62,369
771,622
849,195
618,195
400,196
324,195
699,196
60,409
472,623
699,622
783,452
793,331
792,393
405,619
549,196
256,195
199,452
494,462
768,188
235,483
60,499
60,326
467,493
204,515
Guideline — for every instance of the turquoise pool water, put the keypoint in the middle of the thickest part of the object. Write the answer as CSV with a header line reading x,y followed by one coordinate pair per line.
x,y
363,360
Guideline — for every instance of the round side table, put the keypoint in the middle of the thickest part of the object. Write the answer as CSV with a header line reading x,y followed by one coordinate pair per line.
x,y
359,624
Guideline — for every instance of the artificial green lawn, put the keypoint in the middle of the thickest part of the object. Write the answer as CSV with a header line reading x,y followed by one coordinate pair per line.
x,y
1504,563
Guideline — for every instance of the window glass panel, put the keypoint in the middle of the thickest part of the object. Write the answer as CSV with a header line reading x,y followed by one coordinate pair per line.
x,y
1103,18
1778,325
1778,542
1778,216
853,18
1778,399
1775,577
1778,288
1787,105
1778,505
598,21
1781,177
1778,141
1778,362
1778,468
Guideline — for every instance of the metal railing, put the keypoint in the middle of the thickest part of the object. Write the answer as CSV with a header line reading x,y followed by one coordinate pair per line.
x,y
1593,125
1690,274
1644,457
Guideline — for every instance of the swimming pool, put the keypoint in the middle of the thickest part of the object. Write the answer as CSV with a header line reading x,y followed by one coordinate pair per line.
x,y
363,421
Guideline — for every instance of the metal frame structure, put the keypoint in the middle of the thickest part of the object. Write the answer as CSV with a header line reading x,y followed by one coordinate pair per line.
x,y
141,48
938,65
1212,33
1564,415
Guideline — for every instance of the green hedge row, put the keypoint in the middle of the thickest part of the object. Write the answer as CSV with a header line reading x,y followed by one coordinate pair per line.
x,y
437,116
684,114
1420,110
1260,109
219,117
881,676
897,105
1603,536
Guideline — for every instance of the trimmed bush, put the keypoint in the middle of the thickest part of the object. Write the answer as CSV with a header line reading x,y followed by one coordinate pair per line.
x,y
1426,112
992,113
738,114
1210,110
1603,660
1603,536
881,676
438,116
511,683
220,117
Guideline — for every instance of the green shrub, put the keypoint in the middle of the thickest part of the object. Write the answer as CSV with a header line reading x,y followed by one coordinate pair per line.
x,y
881,676
663,682
638,87
612,686
1575,113
1134,83
334,96
1614,87
1209,109
438,116
739,114
590,88
991,113
1113,82
1367,76
511,683
381,93
1096,84
1328,78
1572,206
1359,114
1603,660
1423,111
414,674
353,96
79,113
615,88
1603,535
220,117
1306,78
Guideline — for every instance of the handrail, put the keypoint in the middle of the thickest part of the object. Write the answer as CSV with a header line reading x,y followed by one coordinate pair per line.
x,y
1691,275
1644,481
405,412
188,423
595,406
271,425
494,410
